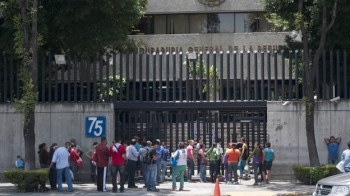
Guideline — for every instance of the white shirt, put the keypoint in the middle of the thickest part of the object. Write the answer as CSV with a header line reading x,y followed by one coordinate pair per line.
x,y
182,156
60,157
132,153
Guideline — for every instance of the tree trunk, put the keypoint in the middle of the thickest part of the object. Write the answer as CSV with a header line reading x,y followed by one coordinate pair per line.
x,y
29,140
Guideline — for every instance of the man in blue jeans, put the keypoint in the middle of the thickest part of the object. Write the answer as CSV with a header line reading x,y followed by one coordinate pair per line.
x,y
152,169
60,157
333,149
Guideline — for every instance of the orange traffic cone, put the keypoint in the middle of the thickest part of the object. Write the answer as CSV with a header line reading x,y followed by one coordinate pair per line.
x,y
217,188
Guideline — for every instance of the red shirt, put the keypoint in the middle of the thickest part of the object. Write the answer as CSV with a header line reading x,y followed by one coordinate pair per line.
x,y
117,151
102,155
73,156
233,155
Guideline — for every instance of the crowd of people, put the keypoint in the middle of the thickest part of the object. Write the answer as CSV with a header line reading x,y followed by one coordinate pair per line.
x,y
125,161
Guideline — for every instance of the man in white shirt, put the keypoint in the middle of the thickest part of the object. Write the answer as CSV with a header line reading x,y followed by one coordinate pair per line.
x,y
60,157
132,155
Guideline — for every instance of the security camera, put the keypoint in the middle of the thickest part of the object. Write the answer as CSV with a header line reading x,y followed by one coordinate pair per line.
x,y
335,99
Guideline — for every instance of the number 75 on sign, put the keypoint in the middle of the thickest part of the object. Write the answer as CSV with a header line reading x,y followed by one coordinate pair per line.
x,y
95,126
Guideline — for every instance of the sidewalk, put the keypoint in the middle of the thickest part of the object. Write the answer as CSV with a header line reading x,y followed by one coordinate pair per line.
x,y
194,189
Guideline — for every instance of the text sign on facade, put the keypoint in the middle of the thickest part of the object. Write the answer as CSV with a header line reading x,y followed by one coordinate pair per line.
x,y
95,126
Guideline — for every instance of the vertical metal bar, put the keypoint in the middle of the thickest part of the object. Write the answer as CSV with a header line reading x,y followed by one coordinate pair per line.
x,y
303,76
222,133
148,122
276,75
114,77
56,83
171,131
174,76
153,117
242,76
140,78
189,130
228,76
165,134
228,125
265,131
208,79
159,127
121,64
154,85
180,77
317,81
5,78
69,78
62,83
182,126
141,126
259,132
331,82
253,132
94,80
88,94
248,75
17,79
194,81
134,77
107,77
262,75
177,128
187,79
255,75
1,80
129,124
75,74
127,76
43,82
81,79
345,75
324,81
147,78
296,74
221,76
269,75
100,77
167,77
205,127
214,76
11,79
210,129
201,76
235,75
338,74
290,96
160,77
283,75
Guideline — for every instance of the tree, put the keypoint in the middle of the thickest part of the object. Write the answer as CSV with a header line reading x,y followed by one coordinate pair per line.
x,y
314,19
84,27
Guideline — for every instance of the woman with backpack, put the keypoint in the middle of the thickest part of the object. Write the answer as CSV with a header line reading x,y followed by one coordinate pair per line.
x,y
256,154
181,161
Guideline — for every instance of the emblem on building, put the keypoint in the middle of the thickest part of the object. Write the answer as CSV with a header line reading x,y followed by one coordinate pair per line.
x,y
211,3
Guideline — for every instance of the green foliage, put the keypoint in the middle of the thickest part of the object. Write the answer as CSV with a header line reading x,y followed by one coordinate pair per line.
x,y
27,181
108,92
311,175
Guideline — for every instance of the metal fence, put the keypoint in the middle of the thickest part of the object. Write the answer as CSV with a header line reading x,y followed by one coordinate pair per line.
x,y
175,98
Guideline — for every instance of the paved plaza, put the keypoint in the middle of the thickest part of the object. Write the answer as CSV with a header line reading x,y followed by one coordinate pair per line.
x,y
245,188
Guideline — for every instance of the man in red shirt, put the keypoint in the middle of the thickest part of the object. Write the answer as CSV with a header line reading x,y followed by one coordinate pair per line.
x,y
190,160
118,151
102,157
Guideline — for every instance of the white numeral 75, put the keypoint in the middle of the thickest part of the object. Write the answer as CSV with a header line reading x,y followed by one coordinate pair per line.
x,y
95,125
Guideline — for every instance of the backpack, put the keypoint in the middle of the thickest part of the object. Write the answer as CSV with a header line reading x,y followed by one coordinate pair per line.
x,y
147,159
173,161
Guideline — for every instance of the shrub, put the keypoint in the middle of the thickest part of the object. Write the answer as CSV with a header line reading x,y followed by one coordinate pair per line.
x,y
27,181
311,175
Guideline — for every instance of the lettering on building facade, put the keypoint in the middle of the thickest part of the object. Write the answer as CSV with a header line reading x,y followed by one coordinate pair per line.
x,y
211,3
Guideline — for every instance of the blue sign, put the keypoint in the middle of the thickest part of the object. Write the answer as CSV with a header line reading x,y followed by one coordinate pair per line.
x,y
95,126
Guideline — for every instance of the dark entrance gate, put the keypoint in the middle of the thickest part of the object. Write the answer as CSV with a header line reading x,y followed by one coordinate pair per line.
x,y
174,122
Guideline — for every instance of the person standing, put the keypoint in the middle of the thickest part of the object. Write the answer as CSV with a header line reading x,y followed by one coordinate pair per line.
x,y
213,155
19,162
333,149
190,160
118,151
101,158
244,156
199,142
159,161
267,164
180,166
143,153
53,172
60,159
73,160
233,155
256,155
43,156
164,162
219,162
346,157
91,154
203,161
132,155
152,168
